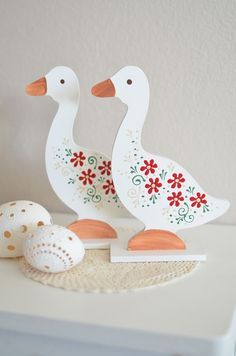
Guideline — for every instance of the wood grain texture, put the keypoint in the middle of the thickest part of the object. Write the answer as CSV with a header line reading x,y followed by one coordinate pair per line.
x,y
156,240
92,229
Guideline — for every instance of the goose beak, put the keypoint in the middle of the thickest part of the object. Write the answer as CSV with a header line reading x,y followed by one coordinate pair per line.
x,y
37,88
104,89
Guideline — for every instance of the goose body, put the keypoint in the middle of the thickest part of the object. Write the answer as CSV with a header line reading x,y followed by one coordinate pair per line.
x,y
155,189
80,177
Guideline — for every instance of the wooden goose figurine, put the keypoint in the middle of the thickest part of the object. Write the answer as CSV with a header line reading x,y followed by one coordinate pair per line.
x,y
80,177
156,190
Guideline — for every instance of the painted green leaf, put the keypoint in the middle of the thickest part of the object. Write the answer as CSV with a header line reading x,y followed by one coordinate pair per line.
x,y
133,169
68,152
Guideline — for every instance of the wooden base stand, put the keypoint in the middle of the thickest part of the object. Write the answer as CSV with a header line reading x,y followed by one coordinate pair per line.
x,y
155,240
92,229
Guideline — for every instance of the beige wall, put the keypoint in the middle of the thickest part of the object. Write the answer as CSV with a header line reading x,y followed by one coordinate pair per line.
x,y
186,47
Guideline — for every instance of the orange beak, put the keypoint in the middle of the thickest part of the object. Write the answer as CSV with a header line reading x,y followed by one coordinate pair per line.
x,y
104,89
37,88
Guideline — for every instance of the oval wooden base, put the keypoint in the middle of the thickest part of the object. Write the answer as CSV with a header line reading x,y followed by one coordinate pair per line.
x,y
92,229
156,240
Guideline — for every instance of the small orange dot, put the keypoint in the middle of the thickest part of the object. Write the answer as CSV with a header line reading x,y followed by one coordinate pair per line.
x,y
7,234
70,238
40,223
11,247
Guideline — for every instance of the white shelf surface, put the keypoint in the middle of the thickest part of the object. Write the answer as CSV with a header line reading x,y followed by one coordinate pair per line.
x,y
193,316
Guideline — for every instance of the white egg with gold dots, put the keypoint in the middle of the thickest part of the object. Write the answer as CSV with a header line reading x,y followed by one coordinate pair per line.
x,y
53,249
17,219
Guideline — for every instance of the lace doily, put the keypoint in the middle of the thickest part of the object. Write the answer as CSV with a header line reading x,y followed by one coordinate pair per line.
x,y
96,274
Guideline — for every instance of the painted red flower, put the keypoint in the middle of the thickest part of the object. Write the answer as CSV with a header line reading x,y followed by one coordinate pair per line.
x,y
78,159
109,187
175,199
148,167
153,185
198,200
105,168
87,177
177,180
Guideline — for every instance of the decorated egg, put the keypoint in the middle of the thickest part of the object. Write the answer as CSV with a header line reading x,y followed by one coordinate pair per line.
x,y
17,219
53,249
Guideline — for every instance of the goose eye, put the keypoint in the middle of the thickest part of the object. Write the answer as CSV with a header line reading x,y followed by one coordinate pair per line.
x,y
129,81
62,81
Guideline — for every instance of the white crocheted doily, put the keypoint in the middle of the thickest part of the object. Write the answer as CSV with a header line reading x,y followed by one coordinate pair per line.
x,y
96,274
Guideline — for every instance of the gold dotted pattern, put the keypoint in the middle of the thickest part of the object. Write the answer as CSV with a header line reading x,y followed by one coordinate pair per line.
x,y
40,223
7,234
65,258
24,228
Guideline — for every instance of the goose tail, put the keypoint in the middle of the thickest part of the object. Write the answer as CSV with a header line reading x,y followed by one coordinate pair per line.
x,y
223,206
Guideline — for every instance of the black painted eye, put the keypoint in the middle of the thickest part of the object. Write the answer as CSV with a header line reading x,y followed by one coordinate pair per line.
x,y
129,81
62,81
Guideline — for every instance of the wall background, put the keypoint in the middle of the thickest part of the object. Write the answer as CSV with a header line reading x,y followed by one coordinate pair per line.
x,y
186,47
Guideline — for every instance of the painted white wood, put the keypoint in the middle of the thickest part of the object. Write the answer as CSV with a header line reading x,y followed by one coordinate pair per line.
x,y
192,317
119,252
80,177
121,255
156,190
19,344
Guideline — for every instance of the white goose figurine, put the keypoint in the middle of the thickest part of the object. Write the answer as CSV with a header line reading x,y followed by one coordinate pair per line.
x,y
156,190
80,177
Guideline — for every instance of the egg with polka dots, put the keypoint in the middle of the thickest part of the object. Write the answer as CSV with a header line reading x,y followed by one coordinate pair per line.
x,y
53,249
17,219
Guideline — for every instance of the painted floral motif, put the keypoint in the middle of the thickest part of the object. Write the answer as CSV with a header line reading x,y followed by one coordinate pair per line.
x,y
199,200
89,174
78,159
87,177
148,167
153,185
175,198
176,181
109,187
105,168
154,182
